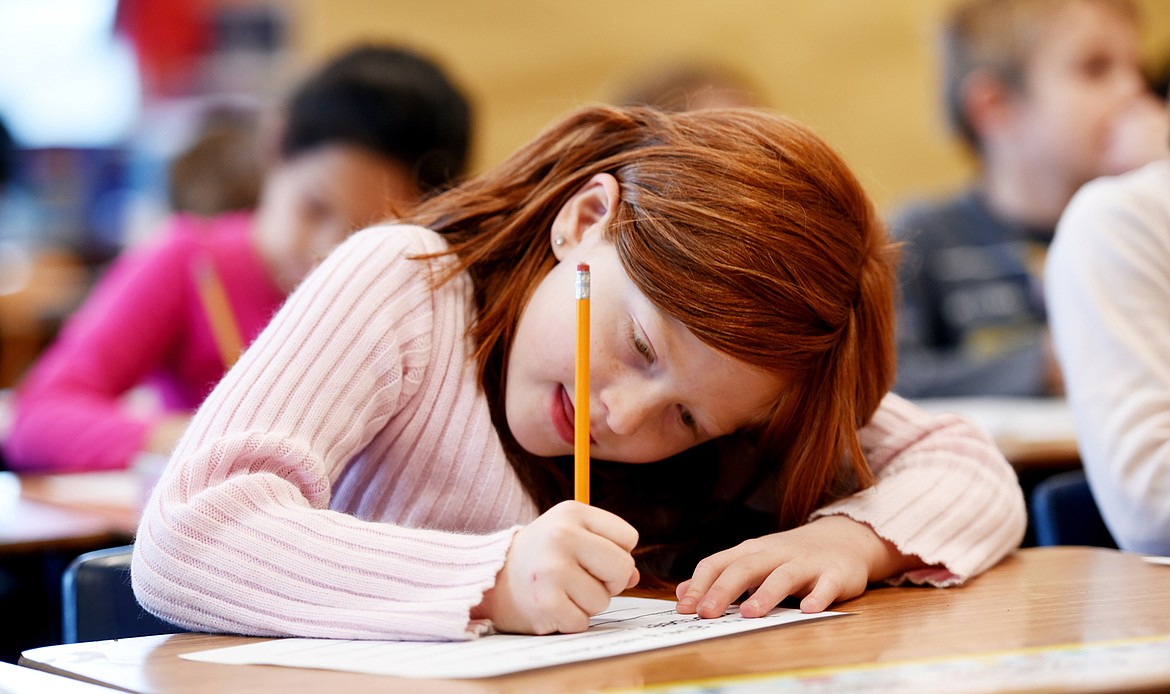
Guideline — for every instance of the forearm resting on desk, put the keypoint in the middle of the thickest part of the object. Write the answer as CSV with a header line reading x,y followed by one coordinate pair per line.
x,y
832,558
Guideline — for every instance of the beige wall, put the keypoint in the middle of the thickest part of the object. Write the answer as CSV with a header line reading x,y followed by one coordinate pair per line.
x,y
859,71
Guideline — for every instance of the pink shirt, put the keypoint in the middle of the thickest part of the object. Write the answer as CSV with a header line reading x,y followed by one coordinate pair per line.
x,y
143,324
344,480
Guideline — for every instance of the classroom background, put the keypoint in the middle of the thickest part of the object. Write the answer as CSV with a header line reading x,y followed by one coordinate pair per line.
x,y
100,96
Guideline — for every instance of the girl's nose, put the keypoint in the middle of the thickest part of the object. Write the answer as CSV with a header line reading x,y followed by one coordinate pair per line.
x,y
627,408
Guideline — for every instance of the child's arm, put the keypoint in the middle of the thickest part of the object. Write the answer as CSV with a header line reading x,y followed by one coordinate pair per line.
x,y
69,415
1108,292
344,480
946,506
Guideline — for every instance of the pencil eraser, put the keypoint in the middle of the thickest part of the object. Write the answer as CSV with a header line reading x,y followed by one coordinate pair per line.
x,y
582,267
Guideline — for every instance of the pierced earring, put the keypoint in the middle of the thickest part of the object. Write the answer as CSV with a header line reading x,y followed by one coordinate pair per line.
x,y
559,241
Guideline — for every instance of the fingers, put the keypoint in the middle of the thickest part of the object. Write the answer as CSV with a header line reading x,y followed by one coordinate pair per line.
x,y
589,597
601,522
717,582
820,587
561,569
825,593
692,591
821,564
604,561
787,579
720,579
600,542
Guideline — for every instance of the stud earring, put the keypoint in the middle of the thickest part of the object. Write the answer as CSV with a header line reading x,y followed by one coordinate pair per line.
x,y
559,241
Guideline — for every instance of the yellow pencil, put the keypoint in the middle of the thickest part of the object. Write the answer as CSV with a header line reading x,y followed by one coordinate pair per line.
x,y
581,421
219,312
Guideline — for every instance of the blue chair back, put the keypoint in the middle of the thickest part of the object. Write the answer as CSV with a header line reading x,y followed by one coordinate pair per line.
x,y
1064,512
98,603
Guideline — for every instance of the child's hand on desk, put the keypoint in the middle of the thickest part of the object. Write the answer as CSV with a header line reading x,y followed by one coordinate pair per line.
x,y
830,559
561,570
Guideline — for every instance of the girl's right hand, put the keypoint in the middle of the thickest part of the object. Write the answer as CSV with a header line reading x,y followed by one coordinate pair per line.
x,y
561,570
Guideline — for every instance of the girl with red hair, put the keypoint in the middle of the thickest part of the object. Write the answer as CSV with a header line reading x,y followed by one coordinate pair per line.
x,y
388,459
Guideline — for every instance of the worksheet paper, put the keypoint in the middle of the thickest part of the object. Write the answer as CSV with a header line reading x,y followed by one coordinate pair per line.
x,y
630,625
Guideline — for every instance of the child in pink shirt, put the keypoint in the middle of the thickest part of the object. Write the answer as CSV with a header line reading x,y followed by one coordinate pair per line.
x,y
367,134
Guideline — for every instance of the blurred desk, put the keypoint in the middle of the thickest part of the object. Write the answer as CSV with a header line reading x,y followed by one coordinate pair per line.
x,y
21,680
46,521
1046,600
78,511
38,289
1032,433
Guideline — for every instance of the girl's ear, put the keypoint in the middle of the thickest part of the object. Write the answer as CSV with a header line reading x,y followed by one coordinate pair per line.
x,y
586,213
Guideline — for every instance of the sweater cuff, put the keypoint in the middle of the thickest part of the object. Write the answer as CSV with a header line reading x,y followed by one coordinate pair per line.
x,y
936,575
483,627
960,521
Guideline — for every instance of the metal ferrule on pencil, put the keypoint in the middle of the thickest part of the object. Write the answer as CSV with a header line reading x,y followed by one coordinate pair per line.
x,y
582,281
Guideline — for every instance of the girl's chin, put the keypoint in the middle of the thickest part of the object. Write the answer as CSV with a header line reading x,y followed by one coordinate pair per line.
x,y
545,451
539,446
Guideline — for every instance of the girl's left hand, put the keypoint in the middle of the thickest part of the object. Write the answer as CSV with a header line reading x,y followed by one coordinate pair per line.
x,y
832,558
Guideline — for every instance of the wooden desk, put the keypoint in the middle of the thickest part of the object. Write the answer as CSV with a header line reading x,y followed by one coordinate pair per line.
x,y
1039,597
49,512
1034,434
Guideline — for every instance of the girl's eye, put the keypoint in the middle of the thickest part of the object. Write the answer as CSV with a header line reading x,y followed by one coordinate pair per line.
x,y
687,418
640,345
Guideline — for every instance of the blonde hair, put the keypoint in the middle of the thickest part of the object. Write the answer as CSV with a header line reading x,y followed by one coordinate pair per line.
x,y
998,37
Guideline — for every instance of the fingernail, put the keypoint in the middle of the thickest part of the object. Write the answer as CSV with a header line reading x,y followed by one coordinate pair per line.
x,y
752,606
686,602
707,605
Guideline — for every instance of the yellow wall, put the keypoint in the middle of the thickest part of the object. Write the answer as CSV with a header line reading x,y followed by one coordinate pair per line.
x,y
862,72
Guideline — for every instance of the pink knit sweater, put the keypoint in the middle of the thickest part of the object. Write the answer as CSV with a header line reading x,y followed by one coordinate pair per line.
x,y
344,480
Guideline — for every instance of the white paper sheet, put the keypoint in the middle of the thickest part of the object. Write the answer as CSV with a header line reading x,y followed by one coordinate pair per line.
x,y
630,625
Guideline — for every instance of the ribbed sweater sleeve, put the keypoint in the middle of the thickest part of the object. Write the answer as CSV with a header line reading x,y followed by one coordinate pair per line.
x,y
243,534
944,493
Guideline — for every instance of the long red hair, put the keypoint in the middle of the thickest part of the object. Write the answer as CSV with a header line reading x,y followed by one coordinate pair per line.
x,y
743,225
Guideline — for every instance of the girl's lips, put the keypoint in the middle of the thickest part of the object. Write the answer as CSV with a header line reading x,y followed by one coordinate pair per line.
x,y
562,415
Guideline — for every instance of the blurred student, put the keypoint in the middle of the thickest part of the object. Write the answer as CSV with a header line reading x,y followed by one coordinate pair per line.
x,y
1108,282
690,87
221,170
361,139
1048,94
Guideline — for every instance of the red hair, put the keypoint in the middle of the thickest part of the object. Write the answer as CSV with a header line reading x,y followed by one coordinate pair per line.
x,y
744,226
